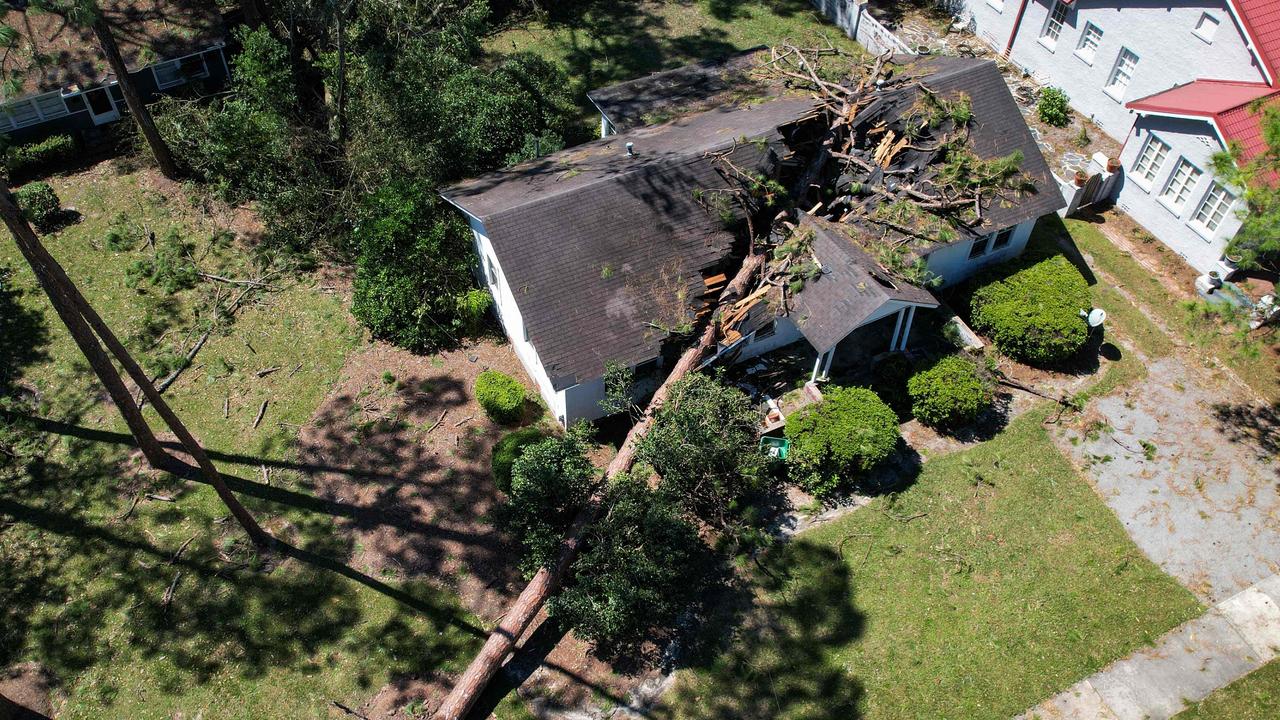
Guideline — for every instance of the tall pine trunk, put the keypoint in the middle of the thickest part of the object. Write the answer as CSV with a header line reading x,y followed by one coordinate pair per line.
x,y
82,321
141,115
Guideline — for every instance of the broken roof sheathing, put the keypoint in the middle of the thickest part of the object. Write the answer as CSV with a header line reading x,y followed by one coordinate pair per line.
x,y
599,246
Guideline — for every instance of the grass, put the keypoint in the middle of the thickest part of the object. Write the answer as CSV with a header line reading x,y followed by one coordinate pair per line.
x,y
601,43
1255,696
996,580
1256,366
83,581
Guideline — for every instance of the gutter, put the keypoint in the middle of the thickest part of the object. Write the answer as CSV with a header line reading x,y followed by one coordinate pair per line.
x,y
1017,24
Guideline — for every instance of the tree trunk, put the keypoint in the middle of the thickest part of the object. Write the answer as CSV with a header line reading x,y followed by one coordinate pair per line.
x,y
141,115
520,615
82,320
64,306
341,11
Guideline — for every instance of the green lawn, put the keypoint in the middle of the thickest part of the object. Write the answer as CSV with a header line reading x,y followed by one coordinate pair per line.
x,y
82,586
1255,364
996,580
608,42
1255,696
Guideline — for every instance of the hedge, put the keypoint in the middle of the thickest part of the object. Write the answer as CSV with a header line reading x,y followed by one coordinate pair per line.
x,y
949,393
510,447
39,204
501,396
840,438
1033,315
33,158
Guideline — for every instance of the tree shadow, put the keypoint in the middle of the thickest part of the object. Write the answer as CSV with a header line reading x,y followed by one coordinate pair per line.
x,y
781,660
24,334
1252,423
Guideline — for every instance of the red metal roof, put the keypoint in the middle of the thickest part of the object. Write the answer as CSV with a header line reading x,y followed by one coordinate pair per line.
x,y
1261,20
1224,102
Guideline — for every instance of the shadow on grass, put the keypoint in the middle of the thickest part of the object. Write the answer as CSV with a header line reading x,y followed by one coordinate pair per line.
x,y
775,660
24,335
1253,423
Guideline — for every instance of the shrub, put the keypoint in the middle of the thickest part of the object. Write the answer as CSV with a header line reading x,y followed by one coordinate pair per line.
x,y
37,158
124,234
510,447
1033,314
949,393
643,565
840,438
704,444
170,269
501,396
1052,107
550,482
39,204
889,381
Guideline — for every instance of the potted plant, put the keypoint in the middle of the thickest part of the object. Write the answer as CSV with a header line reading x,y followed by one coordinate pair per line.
x,y
1113,164
1082,177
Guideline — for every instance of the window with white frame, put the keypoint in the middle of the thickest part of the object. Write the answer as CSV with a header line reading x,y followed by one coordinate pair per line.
x,y
998,5
1053,24
1150,159
1213,208
32,110
176,72
1181,181
1206,27
1122,73
489,272
1090,39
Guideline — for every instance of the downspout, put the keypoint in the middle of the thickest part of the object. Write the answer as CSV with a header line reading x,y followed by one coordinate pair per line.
x,y
1017,23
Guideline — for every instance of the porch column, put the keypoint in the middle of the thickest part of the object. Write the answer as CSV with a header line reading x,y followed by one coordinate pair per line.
x,y
822,365
826,366
906,331
897,328
817,367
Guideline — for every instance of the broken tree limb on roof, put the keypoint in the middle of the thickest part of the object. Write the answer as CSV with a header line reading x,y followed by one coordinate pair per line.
x,y
502,641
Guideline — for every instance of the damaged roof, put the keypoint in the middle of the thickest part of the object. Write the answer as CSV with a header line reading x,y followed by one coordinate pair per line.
x,y
850,290
51,54
663,95
598,247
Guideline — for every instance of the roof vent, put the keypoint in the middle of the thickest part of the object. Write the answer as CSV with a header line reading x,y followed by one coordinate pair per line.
x,y
631,149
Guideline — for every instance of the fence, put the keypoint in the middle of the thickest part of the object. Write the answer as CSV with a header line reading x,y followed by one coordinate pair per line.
x,y
858,24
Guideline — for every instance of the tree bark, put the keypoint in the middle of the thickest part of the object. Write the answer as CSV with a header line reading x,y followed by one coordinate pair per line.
x,y
141,115
64,306
82,320
520,615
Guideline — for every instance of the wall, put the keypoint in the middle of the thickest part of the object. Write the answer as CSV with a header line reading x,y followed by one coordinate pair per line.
x,y
953,265
1197,142
1158,31
860,26
785,333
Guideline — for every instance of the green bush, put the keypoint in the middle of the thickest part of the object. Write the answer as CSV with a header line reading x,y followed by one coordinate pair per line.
x,y
949,393
501,396
170,269
550,482
39,204
840,438
1033,314
506,450
1053,107
36,158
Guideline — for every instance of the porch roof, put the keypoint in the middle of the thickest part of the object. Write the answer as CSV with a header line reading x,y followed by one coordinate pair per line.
x,y
851,290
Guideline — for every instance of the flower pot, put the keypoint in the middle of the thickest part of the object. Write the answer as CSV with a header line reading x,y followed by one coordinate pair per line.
x,y
1082,177
1113,165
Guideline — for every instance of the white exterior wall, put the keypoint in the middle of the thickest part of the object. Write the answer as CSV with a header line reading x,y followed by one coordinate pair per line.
x,y
1196,141
952,263
1160,32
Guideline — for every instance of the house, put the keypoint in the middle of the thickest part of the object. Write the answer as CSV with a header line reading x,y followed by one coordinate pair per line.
x,y
1172,80
602,252
57,80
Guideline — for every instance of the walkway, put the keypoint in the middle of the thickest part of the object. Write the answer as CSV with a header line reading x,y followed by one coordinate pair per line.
x,y
1235,637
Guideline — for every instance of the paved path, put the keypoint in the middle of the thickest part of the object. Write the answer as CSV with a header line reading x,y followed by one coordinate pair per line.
x,y
1235,637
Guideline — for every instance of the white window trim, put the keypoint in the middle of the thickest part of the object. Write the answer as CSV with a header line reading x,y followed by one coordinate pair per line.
x,y
997,5
11,122
178,61
1079,52
1110,88
1207,38
1162,196
1202,229
1051,43
1137,179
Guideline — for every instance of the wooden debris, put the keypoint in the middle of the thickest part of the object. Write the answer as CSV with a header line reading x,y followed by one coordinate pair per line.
x,y
437,423
463,421
161,498
168,593
267,371
261,411
181,550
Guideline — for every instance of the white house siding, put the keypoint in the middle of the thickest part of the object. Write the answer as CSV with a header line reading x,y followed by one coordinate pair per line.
x,y
512,322
1196,141
1160,34
952,263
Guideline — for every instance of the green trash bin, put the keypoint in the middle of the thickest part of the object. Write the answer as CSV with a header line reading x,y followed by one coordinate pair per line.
x,y
775,447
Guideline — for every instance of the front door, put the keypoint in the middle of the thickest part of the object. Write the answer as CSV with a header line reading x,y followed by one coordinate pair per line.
x,y
102,107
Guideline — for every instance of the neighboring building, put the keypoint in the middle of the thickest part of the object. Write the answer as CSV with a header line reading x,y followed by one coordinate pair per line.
x,y
594,253
1172,80
58,80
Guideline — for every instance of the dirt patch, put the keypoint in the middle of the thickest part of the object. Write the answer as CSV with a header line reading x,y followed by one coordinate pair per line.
x,y
25,692
403,444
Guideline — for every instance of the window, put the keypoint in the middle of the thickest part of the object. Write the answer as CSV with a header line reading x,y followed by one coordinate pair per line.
x,y
1181,181
1090,39
1053,24
998,5
490,273
1206,27
765,331
1214,207
1002,238
1122,73
22,113
51,105
1150,159
168,74
979,247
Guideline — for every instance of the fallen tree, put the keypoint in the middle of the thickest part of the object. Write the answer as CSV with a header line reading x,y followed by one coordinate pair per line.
x,y
502,641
